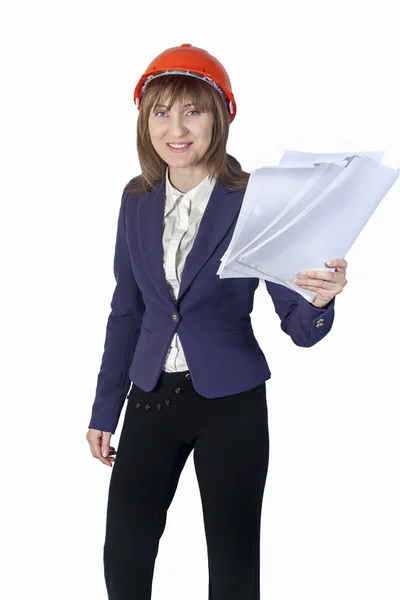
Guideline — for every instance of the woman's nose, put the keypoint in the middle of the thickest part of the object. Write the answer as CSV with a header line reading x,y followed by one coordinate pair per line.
x,y
177,126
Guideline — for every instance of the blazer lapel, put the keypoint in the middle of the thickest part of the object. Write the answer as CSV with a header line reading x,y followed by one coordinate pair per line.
x,y
222,209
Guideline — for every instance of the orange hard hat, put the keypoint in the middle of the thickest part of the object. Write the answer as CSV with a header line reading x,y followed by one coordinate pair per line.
x,y
189,60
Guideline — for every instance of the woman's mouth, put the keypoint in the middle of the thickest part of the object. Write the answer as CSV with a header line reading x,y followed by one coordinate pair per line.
x,y
179,147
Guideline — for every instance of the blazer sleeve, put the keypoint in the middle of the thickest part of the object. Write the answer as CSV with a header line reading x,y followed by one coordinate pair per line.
x,y
122,333
302,321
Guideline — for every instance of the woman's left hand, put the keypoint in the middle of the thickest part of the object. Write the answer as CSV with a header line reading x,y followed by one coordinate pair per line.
x,y
325,283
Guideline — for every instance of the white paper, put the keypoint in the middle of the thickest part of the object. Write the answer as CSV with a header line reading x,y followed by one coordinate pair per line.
x,y
294,158
307,209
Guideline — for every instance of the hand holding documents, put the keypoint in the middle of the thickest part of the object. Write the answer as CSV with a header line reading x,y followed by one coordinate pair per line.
x,y
298,214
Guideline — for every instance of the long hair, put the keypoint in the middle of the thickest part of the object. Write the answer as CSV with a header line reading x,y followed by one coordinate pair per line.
x,y
178,88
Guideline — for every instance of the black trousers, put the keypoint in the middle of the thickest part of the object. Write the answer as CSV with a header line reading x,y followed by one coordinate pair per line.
x,y
230,443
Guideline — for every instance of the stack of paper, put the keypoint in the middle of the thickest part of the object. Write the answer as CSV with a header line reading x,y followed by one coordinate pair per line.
x,y
307,209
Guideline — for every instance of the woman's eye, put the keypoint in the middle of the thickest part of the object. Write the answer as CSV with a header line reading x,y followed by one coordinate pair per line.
x,y
164,112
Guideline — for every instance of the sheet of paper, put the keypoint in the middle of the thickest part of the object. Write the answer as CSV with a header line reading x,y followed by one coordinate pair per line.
x,y
274,241
260,225
277,205
294,158
270,193
327,230
332,177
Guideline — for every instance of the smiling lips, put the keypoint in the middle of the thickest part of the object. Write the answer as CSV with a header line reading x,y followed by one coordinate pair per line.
x,y
179,147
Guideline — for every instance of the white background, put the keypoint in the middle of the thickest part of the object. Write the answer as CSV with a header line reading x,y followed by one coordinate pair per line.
x,y
306,76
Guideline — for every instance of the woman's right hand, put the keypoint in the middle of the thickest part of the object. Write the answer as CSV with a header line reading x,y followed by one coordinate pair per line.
x,y
99,442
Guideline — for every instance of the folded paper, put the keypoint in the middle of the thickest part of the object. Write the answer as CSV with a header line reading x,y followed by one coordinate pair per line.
x,y
303,211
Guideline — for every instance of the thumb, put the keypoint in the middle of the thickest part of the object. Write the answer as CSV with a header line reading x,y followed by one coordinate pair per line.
x,y
105,443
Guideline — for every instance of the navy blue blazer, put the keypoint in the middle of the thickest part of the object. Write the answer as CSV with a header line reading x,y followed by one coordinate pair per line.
x,y
211,315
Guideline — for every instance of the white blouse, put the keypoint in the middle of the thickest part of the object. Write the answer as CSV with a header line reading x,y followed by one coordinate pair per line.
x,y
182,215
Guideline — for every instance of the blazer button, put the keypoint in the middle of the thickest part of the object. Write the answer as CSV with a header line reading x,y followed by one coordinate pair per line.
x,y
167,402
187,375
159,406
148,407
138,405
178,390
175,317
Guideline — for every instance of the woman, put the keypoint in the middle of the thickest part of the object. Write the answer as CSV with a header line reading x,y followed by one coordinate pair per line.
x,y
183,337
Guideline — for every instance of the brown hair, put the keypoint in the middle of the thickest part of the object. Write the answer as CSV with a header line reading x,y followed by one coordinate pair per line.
x,y
219,165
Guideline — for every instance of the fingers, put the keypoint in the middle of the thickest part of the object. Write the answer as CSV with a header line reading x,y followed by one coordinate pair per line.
x,y
324,281
340,264
99,442
316,278
105,443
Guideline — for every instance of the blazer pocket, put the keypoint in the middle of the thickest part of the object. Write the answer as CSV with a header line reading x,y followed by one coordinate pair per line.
x,y
244,331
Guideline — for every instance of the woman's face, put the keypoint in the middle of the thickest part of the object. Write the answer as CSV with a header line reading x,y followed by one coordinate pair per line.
x,y
180,125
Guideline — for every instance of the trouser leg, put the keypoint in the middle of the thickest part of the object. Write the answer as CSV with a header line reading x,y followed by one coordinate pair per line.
x,y
149,461
231,462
